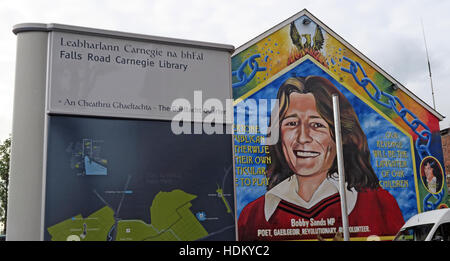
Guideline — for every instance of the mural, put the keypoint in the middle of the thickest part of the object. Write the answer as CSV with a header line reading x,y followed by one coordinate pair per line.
x,y
289,190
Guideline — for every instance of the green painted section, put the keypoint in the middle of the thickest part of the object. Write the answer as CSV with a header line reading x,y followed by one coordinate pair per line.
x,y
92,228
172,220
165,205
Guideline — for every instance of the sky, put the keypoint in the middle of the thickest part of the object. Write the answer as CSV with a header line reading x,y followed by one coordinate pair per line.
x,y
388,32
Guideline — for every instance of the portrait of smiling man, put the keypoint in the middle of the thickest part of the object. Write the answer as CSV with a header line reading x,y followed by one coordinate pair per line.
x,y
303,188
306,143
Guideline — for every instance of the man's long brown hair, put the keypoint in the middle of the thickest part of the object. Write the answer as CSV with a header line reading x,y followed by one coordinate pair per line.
x,y
359,173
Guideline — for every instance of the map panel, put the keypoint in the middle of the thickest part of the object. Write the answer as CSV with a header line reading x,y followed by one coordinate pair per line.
x,y
134,180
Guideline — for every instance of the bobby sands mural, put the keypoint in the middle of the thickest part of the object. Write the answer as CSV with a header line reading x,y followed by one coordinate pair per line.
x,y
303,184
387,136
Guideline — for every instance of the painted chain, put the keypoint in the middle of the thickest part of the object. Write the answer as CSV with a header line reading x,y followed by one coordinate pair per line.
x,y
423,141
254,66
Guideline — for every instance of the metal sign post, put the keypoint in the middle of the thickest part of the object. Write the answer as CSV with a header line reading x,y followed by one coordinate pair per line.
x,y
340,161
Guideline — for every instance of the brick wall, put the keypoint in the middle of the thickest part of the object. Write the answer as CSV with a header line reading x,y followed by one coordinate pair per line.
x,y
445,136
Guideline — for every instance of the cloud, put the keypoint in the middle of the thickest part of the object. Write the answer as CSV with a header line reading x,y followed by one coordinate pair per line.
x,y
247,194
406,199
387,32
370,121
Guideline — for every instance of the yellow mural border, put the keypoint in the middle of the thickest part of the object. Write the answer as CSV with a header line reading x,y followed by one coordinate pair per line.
x,y
270,80
326,70
381,238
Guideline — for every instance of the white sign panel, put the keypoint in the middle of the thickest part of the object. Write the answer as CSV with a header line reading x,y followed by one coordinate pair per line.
x,y
99,76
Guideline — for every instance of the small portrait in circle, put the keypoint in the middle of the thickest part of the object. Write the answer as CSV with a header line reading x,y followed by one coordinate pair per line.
x,y
431,174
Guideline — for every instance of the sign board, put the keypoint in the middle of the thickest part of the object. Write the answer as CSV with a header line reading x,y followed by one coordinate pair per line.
x,y
134,180
288,189
98,76
114,169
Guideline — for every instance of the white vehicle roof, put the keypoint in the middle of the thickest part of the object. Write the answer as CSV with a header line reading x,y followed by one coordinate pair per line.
x,y
434,216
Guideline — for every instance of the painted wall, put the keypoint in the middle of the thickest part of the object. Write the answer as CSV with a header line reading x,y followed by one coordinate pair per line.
x,y
387,167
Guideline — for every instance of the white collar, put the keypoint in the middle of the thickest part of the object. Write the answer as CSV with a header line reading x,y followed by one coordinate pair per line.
x,y
287,190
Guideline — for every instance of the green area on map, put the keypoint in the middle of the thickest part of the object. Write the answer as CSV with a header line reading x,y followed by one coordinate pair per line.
x,y
171,220
92,228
